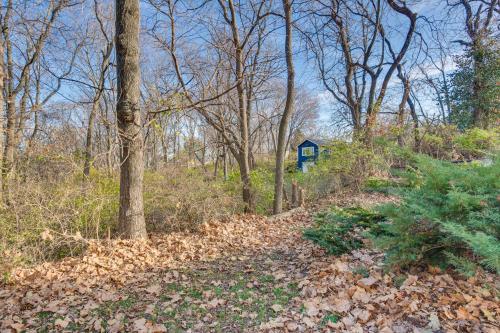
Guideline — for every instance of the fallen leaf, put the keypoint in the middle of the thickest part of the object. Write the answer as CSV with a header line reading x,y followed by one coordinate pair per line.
x,y
367,282
277,307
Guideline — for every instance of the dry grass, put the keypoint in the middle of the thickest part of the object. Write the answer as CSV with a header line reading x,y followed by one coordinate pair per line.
x,y
52,209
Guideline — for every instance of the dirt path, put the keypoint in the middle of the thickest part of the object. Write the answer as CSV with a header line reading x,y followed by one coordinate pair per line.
x,y
247,275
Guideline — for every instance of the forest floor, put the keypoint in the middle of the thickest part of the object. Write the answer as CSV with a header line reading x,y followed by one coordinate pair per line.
x,y
246,275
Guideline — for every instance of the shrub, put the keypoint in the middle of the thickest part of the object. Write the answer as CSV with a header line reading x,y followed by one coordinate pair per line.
x,y
50,213
338,230
437,141
181,199
447,142
476,142
449,216
263,185
348,164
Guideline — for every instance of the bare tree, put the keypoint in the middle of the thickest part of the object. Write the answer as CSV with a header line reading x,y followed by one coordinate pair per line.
x,y
99,83
358,78
16,82
287,113
221,84
131,212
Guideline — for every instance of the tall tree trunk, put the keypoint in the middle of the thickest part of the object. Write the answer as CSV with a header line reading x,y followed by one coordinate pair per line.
x,y
479,113
35,109
10,133
2,76
244,153
10,95
224,162
414,117
287,113
109,163
247,193
447,99
216,163
89,141
404,99
23,115
131,213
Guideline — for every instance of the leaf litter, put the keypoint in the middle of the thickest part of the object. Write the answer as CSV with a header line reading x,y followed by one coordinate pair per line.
x,y
250,274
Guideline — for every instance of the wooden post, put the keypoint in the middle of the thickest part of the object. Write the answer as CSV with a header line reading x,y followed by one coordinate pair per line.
x,y
285,199
301,197
294,194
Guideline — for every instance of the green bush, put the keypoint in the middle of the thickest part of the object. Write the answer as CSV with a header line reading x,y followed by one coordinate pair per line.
x,y
339,230
347,165
448,142
263,185
262,180
476,142
449,216
437,141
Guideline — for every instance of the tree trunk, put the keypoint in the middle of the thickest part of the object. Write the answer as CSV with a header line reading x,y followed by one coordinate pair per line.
x,y
23,115
224,161
131,213
1,118
10,134
401,111
287,113
88,143
479,115
109,163
414,117
247,194
244,150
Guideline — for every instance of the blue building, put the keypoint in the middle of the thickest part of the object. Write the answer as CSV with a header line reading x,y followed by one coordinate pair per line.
x,y
308,152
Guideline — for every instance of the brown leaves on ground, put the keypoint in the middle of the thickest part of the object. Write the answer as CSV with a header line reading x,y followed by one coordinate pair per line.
x,y
336,297
249,274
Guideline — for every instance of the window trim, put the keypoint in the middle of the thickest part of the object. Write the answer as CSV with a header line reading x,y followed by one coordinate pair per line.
x,y
304,149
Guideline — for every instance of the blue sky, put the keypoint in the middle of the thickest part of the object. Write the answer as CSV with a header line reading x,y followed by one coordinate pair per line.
x,y
306,69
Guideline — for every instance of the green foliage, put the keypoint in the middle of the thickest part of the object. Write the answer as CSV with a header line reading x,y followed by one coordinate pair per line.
x,y
337,230
347,164
263,185
476,142
262,180
381,185
449,216
362,271
448,142
480,67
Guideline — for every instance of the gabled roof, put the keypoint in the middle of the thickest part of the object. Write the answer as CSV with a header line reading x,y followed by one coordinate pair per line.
x,y
319,142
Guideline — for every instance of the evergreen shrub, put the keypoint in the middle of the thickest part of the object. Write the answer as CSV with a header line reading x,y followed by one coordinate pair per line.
x,y
450,215
339,230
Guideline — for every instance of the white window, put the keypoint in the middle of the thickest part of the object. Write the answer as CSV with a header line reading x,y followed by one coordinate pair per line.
x,y
308,151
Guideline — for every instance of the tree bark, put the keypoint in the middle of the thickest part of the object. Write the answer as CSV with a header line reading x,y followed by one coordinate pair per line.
x,y
414,117
23,115
287,113
404,99
478,114
244,154
88,142
105,62
131,213
2,76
